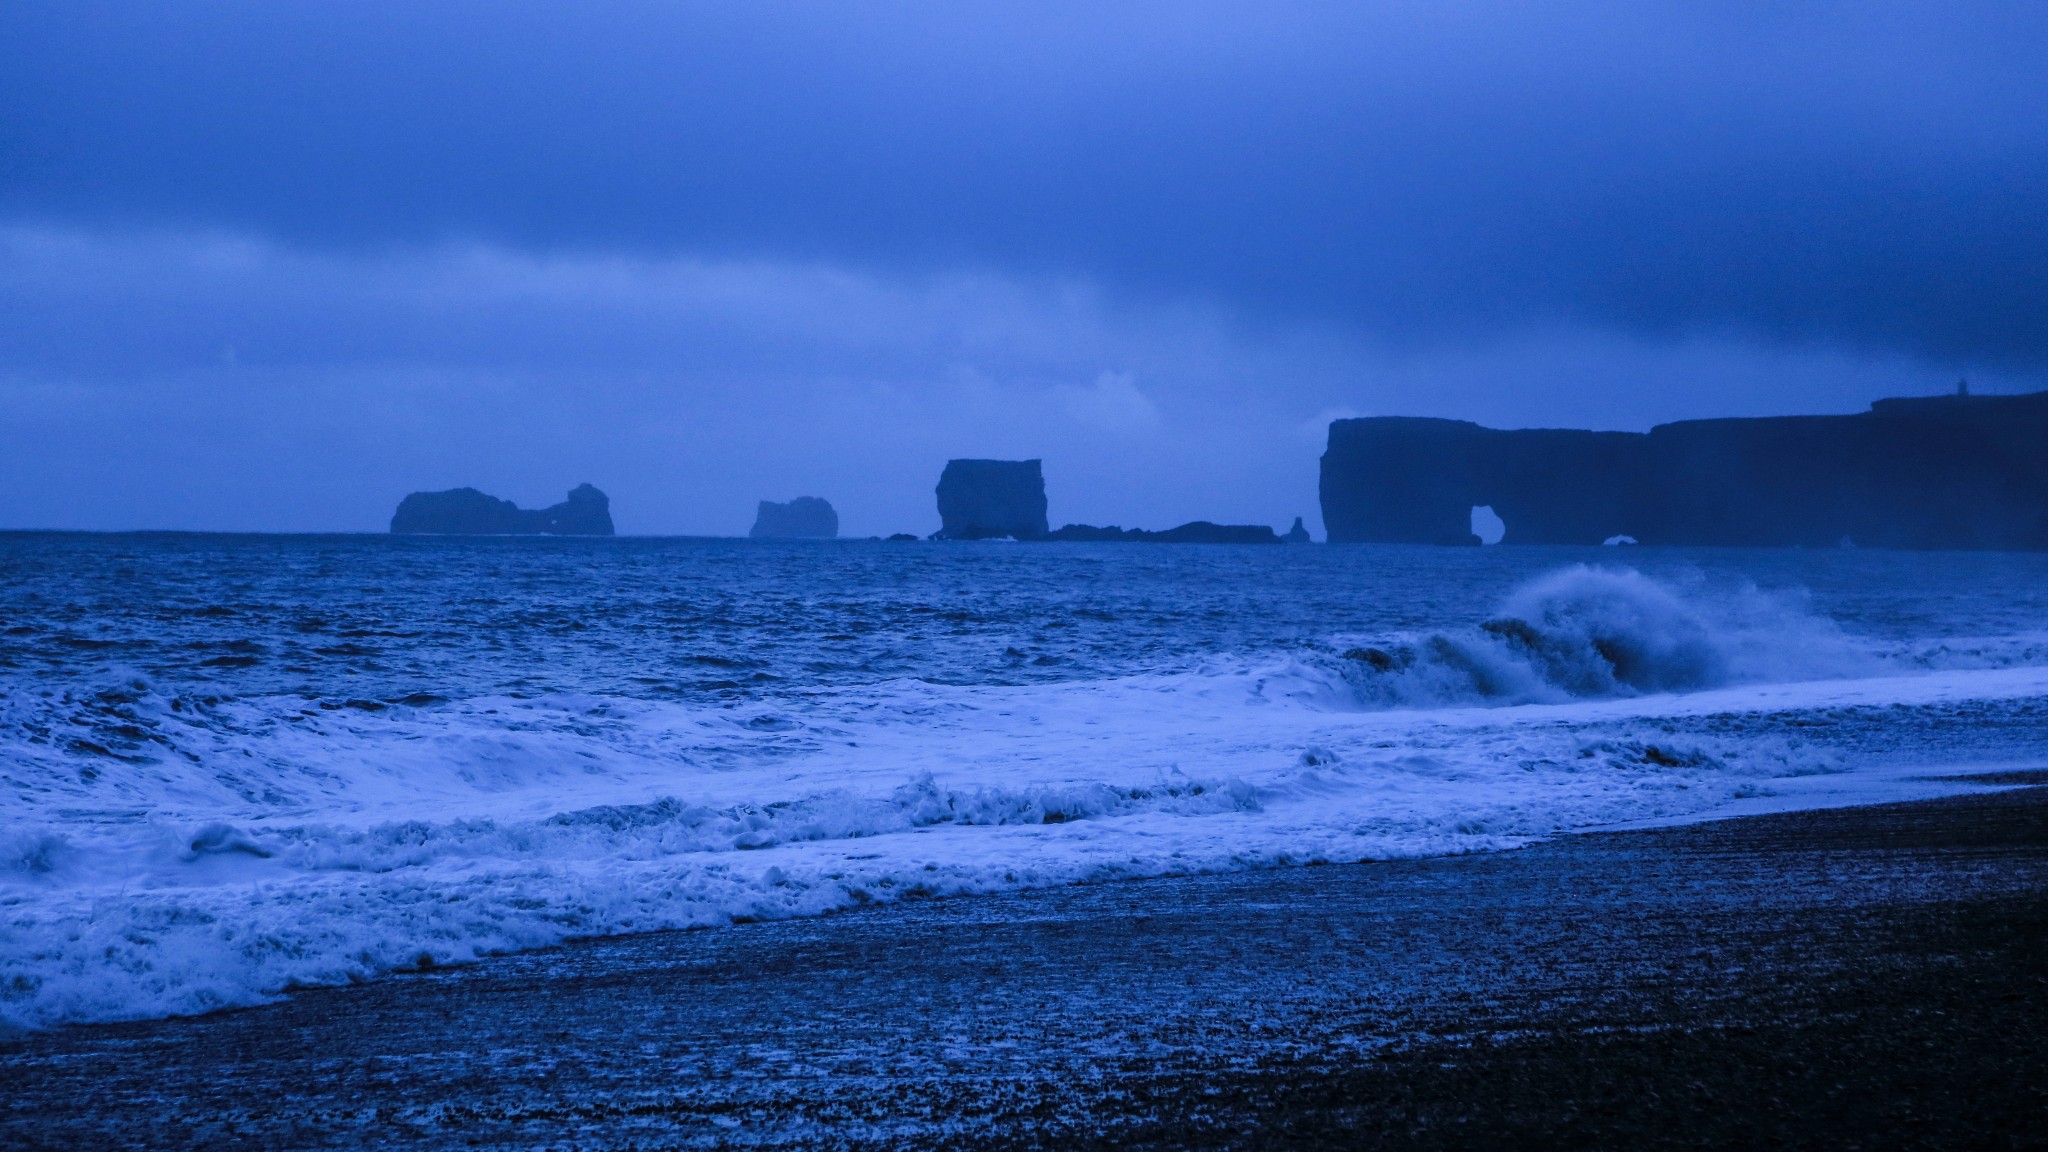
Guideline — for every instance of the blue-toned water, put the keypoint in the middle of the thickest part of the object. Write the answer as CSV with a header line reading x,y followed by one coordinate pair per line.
x,y
371,617
229,764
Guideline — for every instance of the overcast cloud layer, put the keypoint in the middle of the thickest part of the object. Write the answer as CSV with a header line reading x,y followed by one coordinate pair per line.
x,y
267,266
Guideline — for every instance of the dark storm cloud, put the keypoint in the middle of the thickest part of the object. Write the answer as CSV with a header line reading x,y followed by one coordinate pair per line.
x,y
1862,175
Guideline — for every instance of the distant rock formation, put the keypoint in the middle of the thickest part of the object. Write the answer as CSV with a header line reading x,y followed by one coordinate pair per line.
x,y
1960,471
804,518
902,538
468,512
1193,532
1297,534
988,499
587,512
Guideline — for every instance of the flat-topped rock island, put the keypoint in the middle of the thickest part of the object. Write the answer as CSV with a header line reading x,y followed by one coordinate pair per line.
x,y
804,518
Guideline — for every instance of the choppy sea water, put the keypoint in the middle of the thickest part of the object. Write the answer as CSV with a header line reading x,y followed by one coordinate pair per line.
x,y
230,765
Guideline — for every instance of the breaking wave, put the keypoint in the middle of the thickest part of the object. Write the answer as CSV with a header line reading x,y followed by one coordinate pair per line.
x,y
1585,632
170,848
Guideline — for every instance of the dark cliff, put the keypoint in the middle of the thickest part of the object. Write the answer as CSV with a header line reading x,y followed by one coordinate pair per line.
x,y
468,512
986,499
1966,472
804,518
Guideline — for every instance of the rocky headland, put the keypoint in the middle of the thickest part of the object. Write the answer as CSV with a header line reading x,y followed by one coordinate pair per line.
x,y
1952,472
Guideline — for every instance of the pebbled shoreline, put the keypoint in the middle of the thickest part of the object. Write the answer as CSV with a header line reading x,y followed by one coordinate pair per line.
x,y
1868,977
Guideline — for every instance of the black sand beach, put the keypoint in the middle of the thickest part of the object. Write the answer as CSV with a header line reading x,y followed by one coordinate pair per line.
x,y
1873,978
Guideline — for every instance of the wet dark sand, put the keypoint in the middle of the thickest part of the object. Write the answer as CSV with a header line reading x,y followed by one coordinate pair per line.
x,y
1874,977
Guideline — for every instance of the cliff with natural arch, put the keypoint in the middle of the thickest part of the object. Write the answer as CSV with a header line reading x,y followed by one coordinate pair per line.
x,y
1960,472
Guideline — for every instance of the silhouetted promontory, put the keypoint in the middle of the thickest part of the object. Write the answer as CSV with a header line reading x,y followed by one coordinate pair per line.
x,y
1960,471
804,518
468,512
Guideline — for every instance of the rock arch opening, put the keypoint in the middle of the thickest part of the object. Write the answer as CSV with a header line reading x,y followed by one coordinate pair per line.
x,y
1487,524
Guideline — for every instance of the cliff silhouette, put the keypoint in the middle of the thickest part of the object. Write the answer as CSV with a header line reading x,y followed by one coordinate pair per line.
x,y
1956,472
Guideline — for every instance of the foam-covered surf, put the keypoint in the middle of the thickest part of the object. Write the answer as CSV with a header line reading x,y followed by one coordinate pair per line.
x,y
203,811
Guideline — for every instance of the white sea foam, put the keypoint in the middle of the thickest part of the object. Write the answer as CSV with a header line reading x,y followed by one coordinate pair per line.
x,y
216,852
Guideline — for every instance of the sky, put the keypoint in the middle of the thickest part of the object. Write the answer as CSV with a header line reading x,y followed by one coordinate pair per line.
x,y
270,267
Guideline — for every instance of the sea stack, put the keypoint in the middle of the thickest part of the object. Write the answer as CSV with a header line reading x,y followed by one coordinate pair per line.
x,y
804,518
988,499
468,512
1957,471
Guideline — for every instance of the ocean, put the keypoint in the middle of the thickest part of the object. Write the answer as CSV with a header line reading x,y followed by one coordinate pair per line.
x,y
235,765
